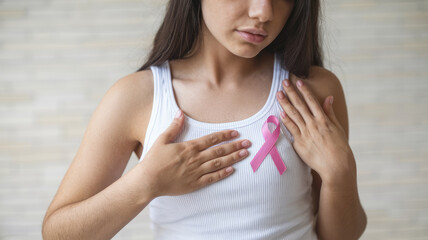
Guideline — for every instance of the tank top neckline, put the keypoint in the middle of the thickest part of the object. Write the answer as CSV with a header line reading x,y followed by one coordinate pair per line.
x,y
227,125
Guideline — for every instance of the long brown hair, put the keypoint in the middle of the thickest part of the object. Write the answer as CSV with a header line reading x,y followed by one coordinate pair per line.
x,y
298,44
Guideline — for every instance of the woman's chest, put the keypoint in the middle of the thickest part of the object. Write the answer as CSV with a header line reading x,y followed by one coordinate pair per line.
x,y
264,190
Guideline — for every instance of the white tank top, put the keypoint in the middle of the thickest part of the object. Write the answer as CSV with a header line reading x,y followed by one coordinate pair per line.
x,y
246,205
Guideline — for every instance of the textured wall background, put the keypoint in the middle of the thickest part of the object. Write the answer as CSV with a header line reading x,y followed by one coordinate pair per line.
x,y
58,58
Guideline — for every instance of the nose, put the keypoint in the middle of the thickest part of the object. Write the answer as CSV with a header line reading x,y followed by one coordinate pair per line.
x,y
261,9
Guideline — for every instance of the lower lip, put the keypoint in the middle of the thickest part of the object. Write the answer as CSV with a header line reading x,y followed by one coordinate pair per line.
x,y
253,38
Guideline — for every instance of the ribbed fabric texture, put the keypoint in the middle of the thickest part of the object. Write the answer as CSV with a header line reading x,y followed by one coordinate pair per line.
x,y
246,205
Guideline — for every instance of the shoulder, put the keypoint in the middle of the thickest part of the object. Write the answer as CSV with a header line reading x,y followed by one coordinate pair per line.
x,y
321,80
130,99
324,83
138,83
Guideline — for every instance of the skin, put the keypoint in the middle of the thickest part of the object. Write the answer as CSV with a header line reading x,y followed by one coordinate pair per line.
x,y
223,72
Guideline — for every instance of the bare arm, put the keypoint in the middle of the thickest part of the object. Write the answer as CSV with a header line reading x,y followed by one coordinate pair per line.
x,y
93,200
340,215
102,215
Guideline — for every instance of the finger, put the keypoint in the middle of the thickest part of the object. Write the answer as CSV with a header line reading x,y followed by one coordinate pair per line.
x,y
212,139
223,150
216,176
290,110
296,100
289,124
328,106
311,102
173,129
223,156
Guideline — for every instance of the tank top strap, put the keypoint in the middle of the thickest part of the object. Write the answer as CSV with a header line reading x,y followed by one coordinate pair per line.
x,y
160,78
161,114
162,84
282,73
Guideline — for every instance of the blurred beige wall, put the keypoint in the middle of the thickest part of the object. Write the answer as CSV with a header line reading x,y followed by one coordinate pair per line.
x,y
58,58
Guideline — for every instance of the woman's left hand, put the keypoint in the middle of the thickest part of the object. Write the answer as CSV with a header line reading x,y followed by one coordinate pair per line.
x,y
319,139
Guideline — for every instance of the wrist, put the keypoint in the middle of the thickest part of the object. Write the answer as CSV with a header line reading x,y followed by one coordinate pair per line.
x,y
341,176
146,189
345,183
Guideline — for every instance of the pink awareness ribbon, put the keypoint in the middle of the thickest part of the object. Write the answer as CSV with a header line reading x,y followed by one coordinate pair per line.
x,y
269,147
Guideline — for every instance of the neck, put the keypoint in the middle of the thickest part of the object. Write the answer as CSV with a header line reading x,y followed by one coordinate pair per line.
x,y
220,67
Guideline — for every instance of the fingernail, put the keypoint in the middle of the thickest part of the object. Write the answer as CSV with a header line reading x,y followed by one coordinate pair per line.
x,y
234,133
286,83
178,114
243,153
245,143
229,169
280,95
331,100
283,115
299,83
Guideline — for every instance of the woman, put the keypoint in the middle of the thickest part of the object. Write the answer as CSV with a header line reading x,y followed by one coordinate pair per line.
x,y
212,63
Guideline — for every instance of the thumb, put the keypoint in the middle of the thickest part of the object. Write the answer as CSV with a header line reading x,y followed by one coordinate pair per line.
x,y
328,108
174,128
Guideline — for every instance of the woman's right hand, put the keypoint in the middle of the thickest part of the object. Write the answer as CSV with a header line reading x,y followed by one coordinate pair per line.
x,y
178,168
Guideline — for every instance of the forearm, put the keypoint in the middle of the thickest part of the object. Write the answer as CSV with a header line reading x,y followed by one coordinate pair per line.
x,y
102,215
340,214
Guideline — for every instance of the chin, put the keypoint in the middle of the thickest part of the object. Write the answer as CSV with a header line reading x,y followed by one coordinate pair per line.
x,y
246,52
